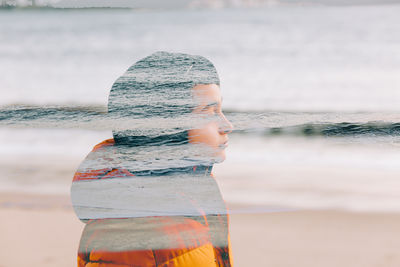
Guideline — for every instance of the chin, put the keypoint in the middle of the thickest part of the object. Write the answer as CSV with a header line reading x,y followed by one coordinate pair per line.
x,y
220,157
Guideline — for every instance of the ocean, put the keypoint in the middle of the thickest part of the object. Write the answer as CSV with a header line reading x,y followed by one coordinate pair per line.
x,y
312,92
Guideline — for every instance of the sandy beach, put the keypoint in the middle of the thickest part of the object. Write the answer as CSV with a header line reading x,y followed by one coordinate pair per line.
x,y
42,230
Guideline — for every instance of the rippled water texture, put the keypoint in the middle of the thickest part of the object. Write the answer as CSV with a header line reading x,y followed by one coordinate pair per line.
x,y
312,93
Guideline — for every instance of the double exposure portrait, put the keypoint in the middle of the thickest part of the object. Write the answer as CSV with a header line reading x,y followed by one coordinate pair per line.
x,y
199,133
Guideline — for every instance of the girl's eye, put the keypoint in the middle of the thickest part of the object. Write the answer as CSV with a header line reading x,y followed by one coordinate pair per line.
x,y
210,108
206,109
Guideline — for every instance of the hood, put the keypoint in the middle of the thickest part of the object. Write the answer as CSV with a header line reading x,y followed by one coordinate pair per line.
x,y
151,103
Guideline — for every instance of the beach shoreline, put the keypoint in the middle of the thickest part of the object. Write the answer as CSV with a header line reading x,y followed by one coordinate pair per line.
x,y
47,233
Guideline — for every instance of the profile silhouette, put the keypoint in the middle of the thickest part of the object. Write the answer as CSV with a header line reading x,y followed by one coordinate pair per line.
x,y
147,196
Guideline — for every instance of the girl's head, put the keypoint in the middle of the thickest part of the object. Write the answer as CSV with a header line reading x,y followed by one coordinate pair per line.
x,y
169,99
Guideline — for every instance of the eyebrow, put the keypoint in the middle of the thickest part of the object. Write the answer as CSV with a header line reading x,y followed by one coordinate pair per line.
x,y
211,104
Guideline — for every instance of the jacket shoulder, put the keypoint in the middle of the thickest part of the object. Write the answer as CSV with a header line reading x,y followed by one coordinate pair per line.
x,y
108,142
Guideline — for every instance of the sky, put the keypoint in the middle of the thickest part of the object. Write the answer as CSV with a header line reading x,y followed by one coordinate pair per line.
x,y
162,4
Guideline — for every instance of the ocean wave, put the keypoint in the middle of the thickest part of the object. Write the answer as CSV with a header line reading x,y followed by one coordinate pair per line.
x,y
334,129
270,123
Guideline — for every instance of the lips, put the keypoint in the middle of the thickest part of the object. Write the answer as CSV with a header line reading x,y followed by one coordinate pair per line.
x,y
224,145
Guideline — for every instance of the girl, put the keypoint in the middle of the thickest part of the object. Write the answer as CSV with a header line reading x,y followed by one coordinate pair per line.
x,y
147,196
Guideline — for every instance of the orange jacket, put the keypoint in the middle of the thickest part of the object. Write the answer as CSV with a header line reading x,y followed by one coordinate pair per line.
x,y
179,240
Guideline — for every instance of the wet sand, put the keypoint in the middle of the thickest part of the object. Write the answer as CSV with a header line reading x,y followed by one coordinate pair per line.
x,y
316,238
44,231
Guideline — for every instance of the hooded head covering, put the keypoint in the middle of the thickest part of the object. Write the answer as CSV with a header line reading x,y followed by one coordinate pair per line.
x,y
153,99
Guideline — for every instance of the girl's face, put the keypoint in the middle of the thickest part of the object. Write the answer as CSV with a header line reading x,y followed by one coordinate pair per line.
x,y
215,132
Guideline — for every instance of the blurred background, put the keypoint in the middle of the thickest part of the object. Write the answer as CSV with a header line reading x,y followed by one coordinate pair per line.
x,y
312,88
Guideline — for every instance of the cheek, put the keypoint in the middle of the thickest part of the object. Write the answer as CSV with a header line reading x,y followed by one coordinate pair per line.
x,y
205,135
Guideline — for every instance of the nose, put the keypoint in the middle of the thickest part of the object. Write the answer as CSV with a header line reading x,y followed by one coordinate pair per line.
x,y
225,126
